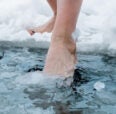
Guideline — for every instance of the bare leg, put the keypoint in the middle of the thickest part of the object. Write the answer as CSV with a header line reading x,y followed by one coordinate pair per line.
x,y
61,56
47,27
53,4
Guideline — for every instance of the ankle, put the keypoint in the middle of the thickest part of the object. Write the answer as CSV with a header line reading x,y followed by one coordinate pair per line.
x,y
65,41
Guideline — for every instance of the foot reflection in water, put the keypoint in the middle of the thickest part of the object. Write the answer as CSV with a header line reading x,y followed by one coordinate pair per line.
x,y
58,94
45,98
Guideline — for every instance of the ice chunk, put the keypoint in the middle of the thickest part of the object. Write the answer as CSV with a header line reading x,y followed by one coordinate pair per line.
x,y
99,86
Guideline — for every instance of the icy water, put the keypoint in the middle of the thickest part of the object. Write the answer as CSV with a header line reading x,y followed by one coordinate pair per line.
x,y
25,90
23,87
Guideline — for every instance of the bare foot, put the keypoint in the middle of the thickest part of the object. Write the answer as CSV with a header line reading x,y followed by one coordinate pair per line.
x,y
31,31
61,58
47,27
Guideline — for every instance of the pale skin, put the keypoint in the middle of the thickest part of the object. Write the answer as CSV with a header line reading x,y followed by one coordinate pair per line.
x,y
47,27
61,57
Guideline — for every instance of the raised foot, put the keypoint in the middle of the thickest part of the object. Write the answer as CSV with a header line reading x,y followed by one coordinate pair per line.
x,y
47,27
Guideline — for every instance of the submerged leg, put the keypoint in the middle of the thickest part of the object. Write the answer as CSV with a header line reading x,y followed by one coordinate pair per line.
x,y
47,27
61,56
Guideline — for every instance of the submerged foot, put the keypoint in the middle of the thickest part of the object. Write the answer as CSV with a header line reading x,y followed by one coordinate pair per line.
x,y
47,27
61,58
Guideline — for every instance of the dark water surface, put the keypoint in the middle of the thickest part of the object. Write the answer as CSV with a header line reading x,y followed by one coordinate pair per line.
x,y
26,91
